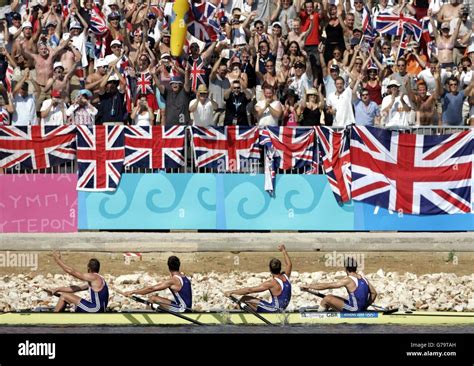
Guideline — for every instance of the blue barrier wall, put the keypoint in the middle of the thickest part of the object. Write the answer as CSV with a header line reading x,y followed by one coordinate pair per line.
x,y
215,201
238,202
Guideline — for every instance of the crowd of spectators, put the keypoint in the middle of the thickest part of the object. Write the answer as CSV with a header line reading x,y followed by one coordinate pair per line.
x,y
273,62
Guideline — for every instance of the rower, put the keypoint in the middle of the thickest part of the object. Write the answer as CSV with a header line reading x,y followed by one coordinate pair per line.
x,y
279,287
178,284
99,292
361,292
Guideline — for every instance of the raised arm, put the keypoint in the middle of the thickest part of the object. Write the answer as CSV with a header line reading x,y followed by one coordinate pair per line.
x,y
69,270
288,264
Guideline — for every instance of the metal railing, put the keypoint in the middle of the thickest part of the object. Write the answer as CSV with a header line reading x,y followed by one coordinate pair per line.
x,y
255,167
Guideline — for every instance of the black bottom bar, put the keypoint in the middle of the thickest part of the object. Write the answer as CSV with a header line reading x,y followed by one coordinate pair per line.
x,y
297,349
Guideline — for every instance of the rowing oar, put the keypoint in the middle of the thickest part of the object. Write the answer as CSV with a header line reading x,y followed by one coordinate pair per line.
x,y
158,307
246,307
381,308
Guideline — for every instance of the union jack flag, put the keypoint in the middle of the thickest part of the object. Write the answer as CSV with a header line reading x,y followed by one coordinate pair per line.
x,y
294,147
100,155
36,147
402,47
144,83
395,24
198,73
269,161
367,27
154,147
4,117
98,24
205,21
203,11
410,173
334,147
229,147
123,65
8,78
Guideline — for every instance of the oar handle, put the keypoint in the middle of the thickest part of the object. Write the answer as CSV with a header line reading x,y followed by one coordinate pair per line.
x,y
158,307
246,307
314,292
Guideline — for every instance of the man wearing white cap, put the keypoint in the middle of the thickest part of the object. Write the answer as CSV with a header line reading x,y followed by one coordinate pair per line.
x,y
53,110
78,34
60,80
112,109
29,43
395,108
285,12
94,80
116,47
202,108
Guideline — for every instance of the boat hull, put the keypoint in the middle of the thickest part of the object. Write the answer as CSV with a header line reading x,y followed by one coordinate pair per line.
x,y
236,318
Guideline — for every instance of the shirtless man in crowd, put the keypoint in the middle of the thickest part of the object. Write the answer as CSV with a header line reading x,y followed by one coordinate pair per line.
x,y
94,80
60,80
43,60
450,11
424,104
25,42
296,34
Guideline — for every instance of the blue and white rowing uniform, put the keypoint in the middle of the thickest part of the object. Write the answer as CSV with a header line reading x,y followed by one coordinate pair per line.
x,y
99,300
279,302
183,299
359,299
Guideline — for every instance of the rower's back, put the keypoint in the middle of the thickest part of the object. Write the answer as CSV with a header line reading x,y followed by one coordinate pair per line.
x,y
281,293
362,290
182,294
98,291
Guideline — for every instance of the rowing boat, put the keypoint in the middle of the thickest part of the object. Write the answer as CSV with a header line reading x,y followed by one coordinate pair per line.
x,y
236,318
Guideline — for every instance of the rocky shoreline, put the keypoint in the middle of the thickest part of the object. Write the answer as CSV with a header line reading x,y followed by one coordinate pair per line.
x,y
430,292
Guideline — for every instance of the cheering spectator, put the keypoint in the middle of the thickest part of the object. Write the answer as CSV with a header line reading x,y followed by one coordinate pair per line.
x,y
236,102
177,100
269,109
311,108
142,114
81,111
452,100
423,104
24,104
395,107
202,108
367,112
53,110
340,103
111,108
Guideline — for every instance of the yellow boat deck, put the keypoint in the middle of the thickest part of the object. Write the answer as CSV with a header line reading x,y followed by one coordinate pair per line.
x,y
235,318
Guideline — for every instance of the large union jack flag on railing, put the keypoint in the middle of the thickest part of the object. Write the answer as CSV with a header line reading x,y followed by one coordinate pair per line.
x,y
334,147
294,147
228,148
154,147
36,147
412,174
100,155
